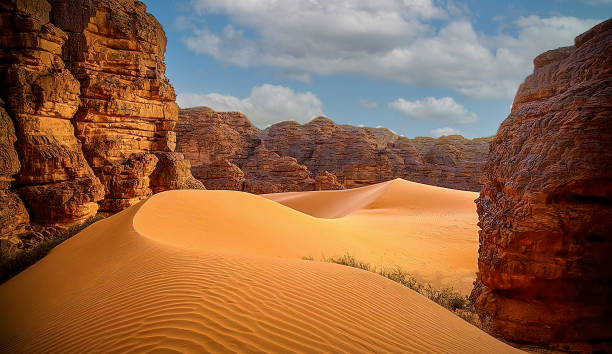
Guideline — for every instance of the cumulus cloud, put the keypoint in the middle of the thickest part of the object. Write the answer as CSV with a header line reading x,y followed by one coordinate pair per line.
x,y
438,132
386,39
441,110
267,104
367,104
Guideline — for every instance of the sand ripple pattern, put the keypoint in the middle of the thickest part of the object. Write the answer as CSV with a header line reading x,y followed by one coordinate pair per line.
x,y
111,289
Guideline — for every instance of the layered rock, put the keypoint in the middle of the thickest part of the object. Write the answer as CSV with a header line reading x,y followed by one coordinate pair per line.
x,y
55,180
173,172
267,172
13,215
546,206
218,144
127,115
93,112
223,146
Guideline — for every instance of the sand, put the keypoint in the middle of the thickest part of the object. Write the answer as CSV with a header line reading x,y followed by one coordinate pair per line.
x,y
219,271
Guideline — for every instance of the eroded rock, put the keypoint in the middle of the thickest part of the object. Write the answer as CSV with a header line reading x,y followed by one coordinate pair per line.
x,y
223,146
546,206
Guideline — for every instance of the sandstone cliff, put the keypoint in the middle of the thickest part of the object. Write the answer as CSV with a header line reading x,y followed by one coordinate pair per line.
x,y
92,110
546,206
228,152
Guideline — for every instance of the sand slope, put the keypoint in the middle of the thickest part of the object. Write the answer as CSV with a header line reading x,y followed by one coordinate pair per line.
x,y
195,271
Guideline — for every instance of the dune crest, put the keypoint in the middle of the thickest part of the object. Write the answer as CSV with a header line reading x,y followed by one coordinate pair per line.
x,y
219,271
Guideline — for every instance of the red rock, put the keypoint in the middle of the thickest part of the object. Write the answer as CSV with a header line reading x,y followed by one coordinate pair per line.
x,y
13,214
219,145
267,172
92,109
116,50
173,172
327,181
55,180
546,206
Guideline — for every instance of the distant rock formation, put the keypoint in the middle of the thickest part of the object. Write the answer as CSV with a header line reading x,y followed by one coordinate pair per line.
x,y
93,113
546,206
228,152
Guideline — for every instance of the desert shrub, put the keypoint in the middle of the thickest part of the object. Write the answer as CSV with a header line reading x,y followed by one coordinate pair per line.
x,y
399,275
447,297
350,261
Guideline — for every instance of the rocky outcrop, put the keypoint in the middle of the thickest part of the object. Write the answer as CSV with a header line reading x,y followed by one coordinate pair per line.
x,y
127,114
93,113
228,152
13,215
267,172
218,144
55,180
173,172
546,206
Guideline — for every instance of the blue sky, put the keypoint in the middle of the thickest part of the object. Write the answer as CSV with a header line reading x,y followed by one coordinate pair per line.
x,y
417,67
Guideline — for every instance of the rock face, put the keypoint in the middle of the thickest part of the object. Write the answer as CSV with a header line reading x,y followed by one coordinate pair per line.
x,y
228,152
217,144
546,206
55,180
127,114
267,172
93,113
13,214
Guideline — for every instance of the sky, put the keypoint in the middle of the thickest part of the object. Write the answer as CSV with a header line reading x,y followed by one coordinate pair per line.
x,y
417,67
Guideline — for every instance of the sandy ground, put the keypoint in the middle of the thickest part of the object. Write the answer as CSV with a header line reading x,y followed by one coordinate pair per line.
x,y
219,271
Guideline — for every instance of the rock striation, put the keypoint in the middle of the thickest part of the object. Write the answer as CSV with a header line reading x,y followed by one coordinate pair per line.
x,y
545,209
91,109
127,115
55,181
228,152
13,215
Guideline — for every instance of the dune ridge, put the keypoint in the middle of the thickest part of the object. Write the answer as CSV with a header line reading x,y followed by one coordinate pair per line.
x,y
130,284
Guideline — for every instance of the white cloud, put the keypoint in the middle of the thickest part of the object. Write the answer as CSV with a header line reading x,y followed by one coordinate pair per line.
x,y
438,132
441,110
367,104
386,39
267,104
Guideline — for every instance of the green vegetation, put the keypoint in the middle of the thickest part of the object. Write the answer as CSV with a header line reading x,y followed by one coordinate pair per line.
x,y
447,297
11,265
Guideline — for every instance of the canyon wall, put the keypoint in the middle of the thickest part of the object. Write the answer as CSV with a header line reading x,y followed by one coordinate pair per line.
x,y
91,110
228,152
545,209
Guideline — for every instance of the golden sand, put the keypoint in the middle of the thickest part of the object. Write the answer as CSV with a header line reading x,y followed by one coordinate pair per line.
x,y
218,271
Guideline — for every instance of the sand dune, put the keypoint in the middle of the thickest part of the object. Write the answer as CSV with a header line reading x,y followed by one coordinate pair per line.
x,y
193,271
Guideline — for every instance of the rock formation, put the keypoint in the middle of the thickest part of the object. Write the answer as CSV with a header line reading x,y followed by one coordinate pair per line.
x,y
55,180
267,172
228,152
92,111
13,214
127,115
546,206
217,144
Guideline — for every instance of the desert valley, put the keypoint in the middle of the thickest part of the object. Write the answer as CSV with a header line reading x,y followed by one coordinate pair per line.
x,y
128,224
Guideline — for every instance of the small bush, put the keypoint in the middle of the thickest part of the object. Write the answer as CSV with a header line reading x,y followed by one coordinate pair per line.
x,y
349,261
447,297
398,275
